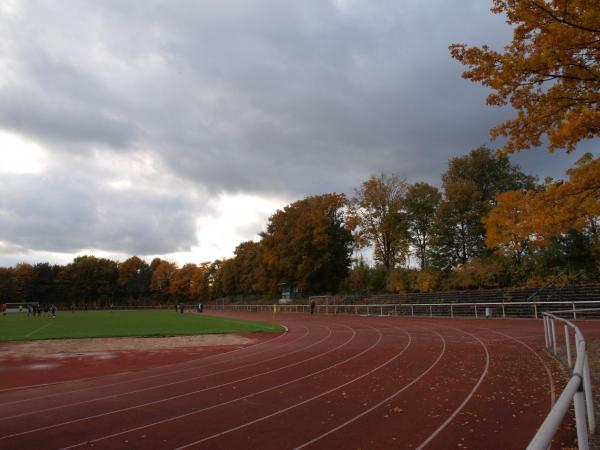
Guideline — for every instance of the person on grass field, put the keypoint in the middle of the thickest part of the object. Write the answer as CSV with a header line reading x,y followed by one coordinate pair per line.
x,y
53,311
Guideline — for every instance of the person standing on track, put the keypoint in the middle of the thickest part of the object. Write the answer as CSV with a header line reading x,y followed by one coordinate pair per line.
x,y
312,306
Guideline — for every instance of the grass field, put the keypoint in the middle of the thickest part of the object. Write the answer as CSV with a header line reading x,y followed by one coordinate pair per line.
x,y
20,326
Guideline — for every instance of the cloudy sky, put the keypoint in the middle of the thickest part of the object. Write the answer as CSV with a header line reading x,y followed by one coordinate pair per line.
x,y
177,127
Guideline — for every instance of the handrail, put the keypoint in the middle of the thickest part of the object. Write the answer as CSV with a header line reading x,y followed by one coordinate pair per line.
x,y
578,388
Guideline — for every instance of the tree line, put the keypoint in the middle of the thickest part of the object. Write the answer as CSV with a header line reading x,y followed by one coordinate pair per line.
x,y
465,235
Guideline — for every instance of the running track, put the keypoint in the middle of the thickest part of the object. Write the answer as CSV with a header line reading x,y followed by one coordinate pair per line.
x,y
329,382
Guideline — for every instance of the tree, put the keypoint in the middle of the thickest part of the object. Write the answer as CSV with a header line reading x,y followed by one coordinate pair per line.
x,y
458,232
508,228
90,279
375,214
22,278
550,72
134,277
471,184
538,218
249,267
7,285
44,287
199,288
161,277
420,204
307,244
180,282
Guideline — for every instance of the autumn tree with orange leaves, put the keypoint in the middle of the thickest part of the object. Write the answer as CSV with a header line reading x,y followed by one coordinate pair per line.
x,y
550,74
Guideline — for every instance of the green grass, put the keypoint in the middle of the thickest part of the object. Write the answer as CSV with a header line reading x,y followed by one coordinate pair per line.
x,y
89,324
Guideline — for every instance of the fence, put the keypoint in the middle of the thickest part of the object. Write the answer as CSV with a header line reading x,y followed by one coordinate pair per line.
x,y
578,389
532,310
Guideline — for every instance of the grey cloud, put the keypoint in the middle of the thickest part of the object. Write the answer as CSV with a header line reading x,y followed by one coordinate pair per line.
x,y
270,96
64,213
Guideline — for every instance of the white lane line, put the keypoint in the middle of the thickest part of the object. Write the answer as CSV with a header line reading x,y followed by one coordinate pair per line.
x,y
31,333
164,374
170,419
159,386
546,368
467,398
367,411
260,419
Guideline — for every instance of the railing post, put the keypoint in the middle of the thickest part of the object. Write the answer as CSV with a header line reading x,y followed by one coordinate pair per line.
x,y
476,311
553,336
568,346
503,315
546,331
451,311
579,403
430,311
412,311
574,311
587,388
535,310
381,311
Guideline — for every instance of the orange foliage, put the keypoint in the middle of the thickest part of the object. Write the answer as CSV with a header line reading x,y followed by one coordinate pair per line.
x,y
524,217
549,73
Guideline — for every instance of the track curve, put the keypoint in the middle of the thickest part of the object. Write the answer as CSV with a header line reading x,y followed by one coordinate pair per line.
x,y
329,381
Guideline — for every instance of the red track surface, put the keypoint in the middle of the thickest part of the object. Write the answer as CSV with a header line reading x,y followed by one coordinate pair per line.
x,y
330,382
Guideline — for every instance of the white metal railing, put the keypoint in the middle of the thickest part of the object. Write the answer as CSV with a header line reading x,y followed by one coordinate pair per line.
x,y
532,310
578,389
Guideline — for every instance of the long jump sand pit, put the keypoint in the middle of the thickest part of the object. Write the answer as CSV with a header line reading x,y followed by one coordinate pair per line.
x,y
34,363
48,348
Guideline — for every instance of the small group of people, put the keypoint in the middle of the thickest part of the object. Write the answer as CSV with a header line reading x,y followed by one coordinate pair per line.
x,y
37,310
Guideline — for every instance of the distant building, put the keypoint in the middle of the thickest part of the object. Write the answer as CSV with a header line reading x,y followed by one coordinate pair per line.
x,y
289,292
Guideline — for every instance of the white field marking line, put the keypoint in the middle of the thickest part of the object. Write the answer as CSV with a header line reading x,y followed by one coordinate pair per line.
x,y
260,419
169,398
546,368
31,333
162,374
187,380
170,419
467,398
367,411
